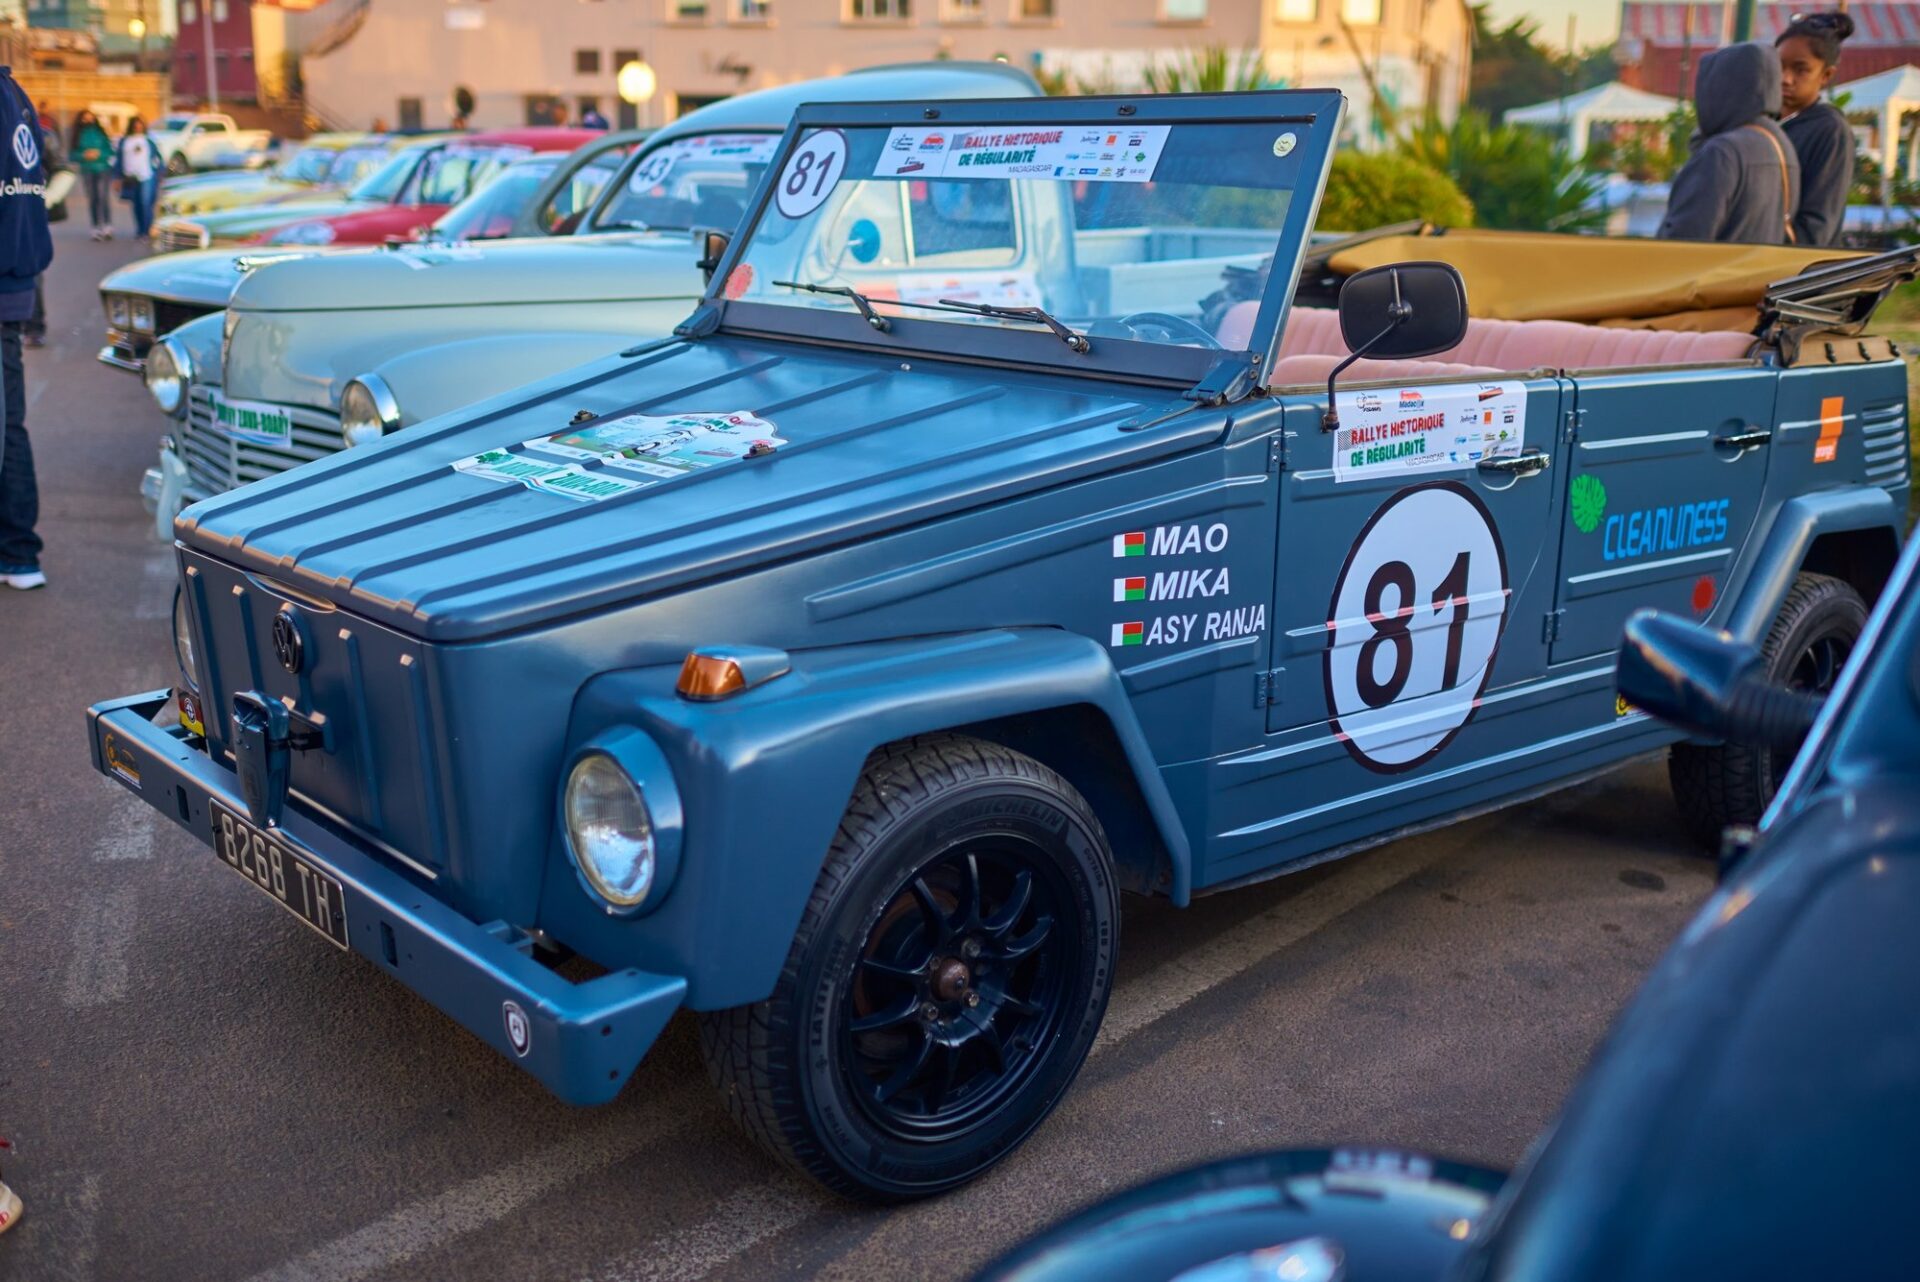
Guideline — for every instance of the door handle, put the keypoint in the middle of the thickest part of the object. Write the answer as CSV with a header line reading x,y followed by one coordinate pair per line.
x,y
1745,440
1525,463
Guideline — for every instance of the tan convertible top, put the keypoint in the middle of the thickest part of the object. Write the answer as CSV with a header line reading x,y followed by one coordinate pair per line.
x,y
1544,276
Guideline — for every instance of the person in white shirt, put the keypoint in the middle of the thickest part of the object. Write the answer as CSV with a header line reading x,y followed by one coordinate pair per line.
x,y
138,162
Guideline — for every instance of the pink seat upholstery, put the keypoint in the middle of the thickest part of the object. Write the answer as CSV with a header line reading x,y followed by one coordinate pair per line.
x,y
1308,367
1502,345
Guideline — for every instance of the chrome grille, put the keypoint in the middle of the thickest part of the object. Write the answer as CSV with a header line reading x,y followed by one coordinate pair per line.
x,y
217,463
175,236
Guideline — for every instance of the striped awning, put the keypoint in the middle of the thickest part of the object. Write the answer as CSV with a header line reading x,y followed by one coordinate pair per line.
x,y
1662,23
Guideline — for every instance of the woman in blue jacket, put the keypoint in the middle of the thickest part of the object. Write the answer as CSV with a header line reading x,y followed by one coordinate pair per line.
x,y
138,163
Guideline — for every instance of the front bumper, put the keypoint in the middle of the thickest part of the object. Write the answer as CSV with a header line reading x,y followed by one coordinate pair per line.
x,y
120,354
584,1040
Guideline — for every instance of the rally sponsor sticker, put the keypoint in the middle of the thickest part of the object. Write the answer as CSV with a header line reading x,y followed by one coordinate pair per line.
x,y
575,482
1065,153
1409,431
666,445
500,465
260,422
658,165
1413,626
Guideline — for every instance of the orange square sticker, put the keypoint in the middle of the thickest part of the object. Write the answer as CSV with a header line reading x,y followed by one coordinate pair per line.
x,y
1833,416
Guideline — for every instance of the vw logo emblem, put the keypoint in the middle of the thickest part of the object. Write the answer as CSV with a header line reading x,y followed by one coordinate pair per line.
x,y
26,147
288,645
519,1031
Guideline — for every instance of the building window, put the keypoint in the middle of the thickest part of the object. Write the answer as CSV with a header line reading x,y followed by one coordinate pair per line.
x,y
961,11
752,10
1034,10
686,11
1297,11
189,12
586,62
219,10
879,10
1183,10
1361,13
411,115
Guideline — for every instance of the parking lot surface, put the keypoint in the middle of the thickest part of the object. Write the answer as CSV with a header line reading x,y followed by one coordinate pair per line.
x,y
197,1088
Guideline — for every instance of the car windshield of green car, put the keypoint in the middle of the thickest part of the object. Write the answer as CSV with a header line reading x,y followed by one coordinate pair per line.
x,y
490,212
704,180
347,167
308,165
384,184
1090,231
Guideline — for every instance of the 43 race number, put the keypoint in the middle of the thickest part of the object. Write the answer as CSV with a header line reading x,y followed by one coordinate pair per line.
x,y
1414,624
815,166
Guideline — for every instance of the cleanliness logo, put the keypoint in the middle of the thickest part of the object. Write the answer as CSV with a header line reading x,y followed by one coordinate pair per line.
x,y
1645,531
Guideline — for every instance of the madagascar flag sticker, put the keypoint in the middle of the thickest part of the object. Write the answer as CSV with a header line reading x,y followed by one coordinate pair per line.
x,y
1128,633
1134,544
1134,589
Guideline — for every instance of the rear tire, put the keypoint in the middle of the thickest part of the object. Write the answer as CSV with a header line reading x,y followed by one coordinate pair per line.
x,y
1809,642
177,164
945,984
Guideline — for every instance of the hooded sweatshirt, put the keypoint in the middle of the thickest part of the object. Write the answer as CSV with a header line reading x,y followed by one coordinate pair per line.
x,y
26,245
1823,141
1742,182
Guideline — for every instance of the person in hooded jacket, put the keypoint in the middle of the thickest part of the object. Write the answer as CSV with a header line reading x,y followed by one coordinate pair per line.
x,y
1742,180
1809,55
26,248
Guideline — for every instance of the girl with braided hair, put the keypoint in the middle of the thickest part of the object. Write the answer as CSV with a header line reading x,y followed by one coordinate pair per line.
x,y
1809,53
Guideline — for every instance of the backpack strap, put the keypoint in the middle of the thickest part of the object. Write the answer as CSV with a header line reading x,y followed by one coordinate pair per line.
x,y
1786,189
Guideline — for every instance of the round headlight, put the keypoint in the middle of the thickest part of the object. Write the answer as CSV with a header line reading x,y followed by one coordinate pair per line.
x,y
303,234
609,832
183,639
168,371
368,411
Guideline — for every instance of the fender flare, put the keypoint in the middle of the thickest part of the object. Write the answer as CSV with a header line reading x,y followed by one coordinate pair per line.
x,y
764,777
1800,521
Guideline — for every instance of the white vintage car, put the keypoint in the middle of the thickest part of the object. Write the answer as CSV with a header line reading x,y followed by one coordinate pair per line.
x,y
314,354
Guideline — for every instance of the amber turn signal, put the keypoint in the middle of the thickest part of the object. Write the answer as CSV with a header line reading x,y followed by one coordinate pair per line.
x,y
710,676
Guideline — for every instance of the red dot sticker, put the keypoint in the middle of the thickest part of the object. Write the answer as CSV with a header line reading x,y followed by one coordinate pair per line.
x,y
1705,593
739,281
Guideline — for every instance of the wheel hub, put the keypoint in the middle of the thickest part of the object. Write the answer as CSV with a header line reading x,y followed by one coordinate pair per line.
x,y
951,979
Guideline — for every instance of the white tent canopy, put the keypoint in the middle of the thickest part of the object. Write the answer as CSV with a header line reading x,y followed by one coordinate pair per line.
x,y
1578,113
1886,96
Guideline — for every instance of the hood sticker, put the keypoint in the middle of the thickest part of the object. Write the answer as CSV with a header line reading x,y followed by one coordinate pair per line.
x,y
628,453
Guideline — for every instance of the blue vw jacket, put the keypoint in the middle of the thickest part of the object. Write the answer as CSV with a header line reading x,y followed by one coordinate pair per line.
x,y
26,245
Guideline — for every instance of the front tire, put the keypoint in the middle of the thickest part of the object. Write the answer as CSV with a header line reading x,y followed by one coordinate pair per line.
x,y
1809,642
177,164
946,981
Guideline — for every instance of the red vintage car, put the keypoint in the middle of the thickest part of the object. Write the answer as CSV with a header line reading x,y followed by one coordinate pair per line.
x,y
422,184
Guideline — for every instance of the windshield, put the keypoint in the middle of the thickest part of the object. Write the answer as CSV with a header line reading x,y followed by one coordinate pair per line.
x,y
1121,233
347,167
566,207
174,123
384,183
700,181
308,165
490,212
452,172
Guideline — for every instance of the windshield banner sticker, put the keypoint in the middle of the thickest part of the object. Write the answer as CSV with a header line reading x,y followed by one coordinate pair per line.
x,y
739,149
1409,430
1071,153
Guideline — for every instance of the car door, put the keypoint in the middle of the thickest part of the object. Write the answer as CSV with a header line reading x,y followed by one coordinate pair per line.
x,y
1665,478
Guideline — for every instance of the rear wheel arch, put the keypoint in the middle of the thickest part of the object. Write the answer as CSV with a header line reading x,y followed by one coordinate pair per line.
x,y
1862,559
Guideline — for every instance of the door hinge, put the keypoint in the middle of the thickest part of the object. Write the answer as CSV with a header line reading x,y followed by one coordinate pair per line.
x,y
1266,687
1277,452
1575,420
1550,627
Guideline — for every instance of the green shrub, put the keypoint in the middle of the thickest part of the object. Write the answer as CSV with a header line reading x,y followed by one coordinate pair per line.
x,y
1517,178
1369,189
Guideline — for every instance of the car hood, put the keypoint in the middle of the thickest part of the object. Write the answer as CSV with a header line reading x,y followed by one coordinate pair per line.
x,y
501,272
232,191
251,220
394,533
204,276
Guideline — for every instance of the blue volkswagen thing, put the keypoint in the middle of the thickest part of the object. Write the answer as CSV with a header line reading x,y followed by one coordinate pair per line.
x,y
968,556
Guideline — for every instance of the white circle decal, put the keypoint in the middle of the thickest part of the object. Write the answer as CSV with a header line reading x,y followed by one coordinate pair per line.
x,y
1283,145
519,1031
26,147
816,165
1414,624
653,170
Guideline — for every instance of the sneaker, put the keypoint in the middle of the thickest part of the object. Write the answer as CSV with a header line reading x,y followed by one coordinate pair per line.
x,y
33,340
22,576
106,233
9,1208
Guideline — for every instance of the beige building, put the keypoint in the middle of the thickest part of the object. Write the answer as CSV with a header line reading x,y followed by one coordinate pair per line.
x,y
407,61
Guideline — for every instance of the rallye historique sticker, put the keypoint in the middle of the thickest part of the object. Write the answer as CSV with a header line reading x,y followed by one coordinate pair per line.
x,y
624,454
1070,152
1408,430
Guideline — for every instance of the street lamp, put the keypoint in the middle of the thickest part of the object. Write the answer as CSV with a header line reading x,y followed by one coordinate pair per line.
x,y
637,84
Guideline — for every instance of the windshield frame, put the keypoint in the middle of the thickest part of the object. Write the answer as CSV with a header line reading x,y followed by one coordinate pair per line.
x,y
1314,113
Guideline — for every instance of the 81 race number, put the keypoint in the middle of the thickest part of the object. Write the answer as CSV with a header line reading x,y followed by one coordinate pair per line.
x,y
815,166
1414,624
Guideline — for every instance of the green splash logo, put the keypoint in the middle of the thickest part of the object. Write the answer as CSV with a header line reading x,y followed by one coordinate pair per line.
x,y
1589,499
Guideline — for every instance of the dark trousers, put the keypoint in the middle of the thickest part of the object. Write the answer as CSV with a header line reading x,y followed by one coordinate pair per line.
x,y
19,495
35,326
99,185
143,194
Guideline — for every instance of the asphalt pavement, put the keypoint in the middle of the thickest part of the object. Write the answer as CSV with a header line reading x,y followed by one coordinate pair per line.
x,y
197,1088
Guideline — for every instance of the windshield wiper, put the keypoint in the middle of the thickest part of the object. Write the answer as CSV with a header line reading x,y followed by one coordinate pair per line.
x,y
858,299
1036,315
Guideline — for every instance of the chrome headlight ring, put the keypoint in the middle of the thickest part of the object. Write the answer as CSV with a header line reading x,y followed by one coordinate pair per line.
x,y
368,411
168,373
620,818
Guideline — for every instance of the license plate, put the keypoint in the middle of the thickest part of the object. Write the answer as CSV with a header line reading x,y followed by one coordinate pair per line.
x,y
256,421
271,865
